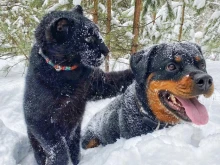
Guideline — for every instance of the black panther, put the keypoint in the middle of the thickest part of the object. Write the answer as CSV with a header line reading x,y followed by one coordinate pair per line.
x,y
62,76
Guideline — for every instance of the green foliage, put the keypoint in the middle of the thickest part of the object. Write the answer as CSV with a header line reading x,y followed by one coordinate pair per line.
x,y
121,28
17,24
160,22
167,22
151,5
211,41
18,21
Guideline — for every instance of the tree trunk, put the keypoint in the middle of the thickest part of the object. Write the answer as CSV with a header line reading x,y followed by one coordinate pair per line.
x,y
108,30
154,17
182,22
136,23
95,13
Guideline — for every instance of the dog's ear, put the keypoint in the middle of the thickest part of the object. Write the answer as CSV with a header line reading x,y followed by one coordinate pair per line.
x,y
190,44
58,31
140,62
78,9
197,46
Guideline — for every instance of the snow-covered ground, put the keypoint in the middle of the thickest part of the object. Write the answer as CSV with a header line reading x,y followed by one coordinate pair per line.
x,y
183,144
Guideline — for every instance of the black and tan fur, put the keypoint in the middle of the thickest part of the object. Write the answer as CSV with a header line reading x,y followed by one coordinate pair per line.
x,y
164,74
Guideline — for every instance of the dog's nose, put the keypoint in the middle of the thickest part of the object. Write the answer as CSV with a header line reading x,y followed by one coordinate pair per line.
x,y
203,81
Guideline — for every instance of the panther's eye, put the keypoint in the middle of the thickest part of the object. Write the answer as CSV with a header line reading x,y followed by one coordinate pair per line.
x,y
171,67
90,39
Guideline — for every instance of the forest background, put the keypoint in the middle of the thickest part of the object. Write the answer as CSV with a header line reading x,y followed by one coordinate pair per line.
x,y
126,25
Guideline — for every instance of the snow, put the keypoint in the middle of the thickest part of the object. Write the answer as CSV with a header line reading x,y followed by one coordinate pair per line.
x,y
19,22
63,2
35,18
15,8
129,12
183,144
102,7
129,35
199,4
215,15
186,1
45,3
127,23
218,30
77,2
115,21
179,15
54,7
199,35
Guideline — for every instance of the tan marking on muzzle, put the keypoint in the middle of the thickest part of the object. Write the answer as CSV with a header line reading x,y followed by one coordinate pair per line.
x,y
183,88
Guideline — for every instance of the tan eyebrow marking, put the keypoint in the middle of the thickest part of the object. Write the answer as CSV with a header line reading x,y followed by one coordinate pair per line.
x,y
178,58
197,58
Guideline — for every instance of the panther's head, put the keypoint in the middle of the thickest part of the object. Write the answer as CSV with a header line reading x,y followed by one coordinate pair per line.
x,y
68,37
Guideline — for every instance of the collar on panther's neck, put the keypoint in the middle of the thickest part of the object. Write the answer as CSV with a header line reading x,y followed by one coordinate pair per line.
x,y
56,66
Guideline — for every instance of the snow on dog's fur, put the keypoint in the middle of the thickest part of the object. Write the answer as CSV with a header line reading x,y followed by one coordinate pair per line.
x,y
168,80
61,78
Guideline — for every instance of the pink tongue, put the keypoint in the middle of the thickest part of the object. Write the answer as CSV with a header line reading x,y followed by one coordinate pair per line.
x,y
195,110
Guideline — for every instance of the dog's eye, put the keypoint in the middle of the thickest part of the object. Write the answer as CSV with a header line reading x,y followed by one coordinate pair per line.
x,y
171,67
90,39
202,65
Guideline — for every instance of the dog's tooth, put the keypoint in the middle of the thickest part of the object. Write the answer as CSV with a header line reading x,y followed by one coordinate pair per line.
x,y
173,99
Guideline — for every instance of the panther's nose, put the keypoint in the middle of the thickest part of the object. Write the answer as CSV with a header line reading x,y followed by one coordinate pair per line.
x,y
103,48
203,81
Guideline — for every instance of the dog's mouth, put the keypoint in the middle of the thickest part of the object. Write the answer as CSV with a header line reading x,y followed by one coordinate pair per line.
x,y
187,109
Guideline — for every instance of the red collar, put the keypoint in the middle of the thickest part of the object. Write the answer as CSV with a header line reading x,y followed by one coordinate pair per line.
x,y
55,66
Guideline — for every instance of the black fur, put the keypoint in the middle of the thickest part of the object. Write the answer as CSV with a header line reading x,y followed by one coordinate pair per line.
x,y
129,115
54,101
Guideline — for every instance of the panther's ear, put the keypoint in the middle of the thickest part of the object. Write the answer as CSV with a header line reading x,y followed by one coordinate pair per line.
x,y
140,62
58,31
78,9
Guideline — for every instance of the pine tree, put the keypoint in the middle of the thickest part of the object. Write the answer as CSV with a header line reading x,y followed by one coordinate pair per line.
x,y
95,13
108,31
161,21
210,40
17,24
18,21
121,26
182,20
136,25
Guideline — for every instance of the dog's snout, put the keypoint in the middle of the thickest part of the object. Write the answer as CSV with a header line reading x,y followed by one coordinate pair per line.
x,y
203,81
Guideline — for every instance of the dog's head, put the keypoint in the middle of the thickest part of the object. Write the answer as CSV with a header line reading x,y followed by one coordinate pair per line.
x,y
174,75
68,36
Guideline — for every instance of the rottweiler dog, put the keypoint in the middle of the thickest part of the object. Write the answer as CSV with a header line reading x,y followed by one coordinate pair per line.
x,y
168,80
62,76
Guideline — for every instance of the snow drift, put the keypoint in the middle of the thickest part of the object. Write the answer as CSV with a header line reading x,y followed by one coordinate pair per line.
x,y
183,144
